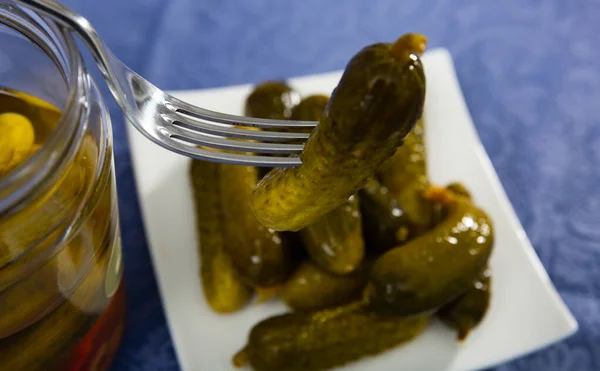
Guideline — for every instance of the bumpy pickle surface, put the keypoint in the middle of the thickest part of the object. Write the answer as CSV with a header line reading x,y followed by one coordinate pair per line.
x,y
223,289
405,176
435,268
257,252
324,339
335,240
312,288
376,104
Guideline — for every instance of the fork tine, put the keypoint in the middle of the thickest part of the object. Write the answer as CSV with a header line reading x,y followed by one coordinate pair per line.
x,y
198,126
147,107
186,110
232,145
228,158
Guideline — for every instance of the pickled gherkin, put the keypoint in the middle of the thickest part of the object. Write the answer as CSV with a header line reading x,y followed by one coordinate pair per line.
x,y
274,100
310,108
376,104
271,100
311,341
257,252
405,176
312,288
223,289
356,241
466,312
437,267
385,224
335,240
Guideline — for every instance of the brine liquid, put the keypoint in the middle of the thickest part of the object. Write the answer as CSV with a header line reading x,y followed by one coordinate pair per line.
x,y
67,312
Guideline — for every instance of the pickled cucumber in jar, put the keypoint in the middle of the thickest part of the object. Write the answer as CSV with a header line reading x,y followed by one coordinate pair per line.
x,y
25,124
48,340
58,246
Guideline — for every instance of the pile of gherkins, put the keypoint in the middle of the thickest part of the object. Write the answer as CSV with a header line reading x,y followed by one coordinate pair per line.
x,y
356,241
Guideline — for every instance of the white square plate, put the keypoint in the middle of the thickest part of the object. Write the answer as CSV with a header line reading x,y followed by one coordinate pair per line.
x,y
526,312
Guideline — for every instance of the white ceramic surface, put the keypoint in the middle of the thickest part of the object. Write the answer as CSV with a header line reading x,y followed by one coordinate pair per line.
x,y
526,312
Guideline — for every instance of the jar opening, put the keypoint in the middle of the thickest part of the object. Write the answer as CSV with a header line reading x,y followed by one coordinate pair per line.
x,y
42,60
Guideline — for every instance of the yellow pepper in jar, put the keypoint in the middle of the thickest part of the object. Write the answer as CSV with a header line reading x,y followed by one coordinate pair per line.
x,y
17,138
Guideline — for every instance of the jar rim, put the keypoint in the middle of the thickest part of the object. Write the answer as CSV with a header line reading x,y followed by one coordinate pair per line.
x,y
60,46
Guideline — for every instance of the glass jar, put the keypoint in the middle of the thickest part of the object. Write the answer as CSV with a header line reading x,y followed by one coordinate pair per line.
x,y
61,297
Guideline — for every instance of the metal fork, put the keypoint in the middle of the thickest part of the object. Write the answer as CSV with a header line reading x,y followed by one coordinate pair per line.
x,y
174,124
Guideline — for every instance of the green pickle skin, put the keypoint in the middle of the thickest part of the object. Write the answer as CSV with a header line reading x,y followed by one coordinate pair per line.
x,y
362,189
376,104
335,240
274,100
271,100
405,176
383,218
223,289
467,312
302,341
310,108
311,288
459,189
257,252
434,268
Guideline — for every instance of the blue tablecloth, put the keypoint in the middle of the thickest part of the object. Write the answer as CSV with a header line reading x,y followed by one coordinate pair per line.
x,y
530,71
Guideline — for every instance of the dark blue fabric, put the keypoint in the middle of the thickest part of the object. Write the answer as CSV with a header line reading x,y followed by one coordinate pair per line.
x,y
530,71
